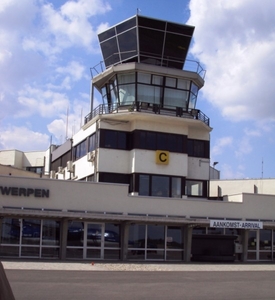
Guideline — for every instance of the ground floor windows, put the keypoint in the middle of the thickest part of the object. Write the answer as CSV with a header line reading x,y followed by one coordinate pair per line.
x,y
93,240
260,245
30,238
155,242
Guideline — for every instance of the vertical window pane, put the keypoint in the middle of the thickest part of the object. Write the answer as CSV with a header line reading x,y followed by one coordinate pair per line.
x,y
92,142
265,239
155,236
174,239
121,140
110,139
112,235
252,238
144,185
162,141
50,232
75,234
151,141
160,186
176,187
31,231
10,231
136,236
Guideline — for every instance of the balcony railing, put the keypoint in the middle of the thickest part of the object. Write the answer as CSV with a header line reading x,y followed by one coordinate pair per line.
x,y
149,108
189,65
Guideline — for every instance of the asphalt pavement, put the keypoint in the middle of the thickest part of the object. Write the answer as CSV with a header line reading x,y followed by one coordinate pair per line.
x,y
93,280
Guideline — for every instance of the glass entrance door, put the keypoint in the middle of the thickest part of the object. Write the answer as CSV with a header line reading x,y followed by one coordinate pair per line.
x,y
93,241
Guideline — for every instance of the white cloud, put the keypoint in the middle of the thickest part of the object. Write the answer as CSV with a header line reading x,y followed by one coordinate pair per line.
x,y
74,69
23,139
45,103
252,133
228,172
68,26
235,40
243,147
71,121
221,144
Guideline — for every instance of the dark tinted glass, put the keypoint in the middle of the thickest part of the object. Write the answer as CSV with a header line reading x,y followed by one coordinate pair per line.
x,y
151,140
144,185
121,140
151,41
155,236
106,35
162,141
110,139
182,29
176,46
126,25
136,236
128,44
151,23
109,50
114,178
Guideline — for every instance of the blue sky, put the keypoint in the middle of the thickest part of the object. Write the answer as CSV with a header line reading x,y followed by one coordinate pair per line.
x,y
48,47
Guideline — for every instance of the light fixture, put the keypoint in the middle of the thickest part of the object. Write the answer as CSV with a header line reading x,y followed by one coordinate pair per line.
x,y
215,163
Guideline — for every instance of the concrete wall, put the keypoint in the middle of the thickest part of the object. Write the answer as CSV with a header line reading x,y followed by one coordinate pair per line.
x,y
11,171
73,195
229,187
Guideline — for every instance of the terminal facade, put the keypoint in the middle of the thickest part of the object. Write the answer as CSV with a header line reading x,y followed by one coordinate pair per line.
x,y
135,183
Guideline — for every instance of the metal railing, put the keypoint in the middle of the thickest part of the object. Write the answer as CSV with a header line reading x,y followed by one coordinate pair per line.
x,y
188,65
146,107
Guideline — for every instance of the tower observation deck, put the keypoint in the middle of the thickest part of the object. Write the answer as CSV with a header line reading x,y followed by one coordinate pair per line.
x,y
145,69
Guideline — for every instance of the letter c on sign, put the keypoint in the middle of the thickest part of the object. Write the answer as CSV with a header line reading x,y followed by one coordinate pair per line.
x,y
162,157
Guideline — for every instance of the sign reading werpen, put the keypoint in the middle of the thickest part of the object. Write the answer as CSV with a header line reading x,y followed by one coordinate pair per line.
x,y
236,224
26,192
162,157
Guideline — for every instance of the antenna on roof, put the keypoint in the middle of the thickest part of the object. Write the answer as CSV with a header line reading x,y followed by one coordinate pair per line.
x,y
67,120
262,168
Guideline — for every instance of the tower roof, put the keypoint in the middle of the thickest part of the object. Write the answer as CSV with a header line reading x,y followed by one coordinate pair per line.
x,y
146,40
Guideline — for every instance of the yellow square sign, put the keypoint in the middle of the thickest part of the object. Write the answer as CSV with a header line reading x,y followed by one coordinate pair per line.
x,y
162,157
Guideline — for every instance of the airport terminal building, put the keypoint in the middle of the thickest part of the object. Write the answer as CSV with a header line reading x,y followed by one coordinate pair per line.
x,y
136,183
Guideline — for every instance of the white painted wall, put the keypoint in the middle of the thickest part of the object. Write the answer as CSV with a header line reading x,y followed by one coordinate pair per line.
x,y
198,168
229,187
73,195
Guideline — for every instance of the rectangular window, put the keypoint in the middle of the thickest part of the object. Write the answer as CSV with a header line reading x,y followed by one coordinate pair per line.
x,y
114,177
194,188
144,78
159,186
176,187
151,140
114,139
92,142
198,148
144,185
80,150
170,82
